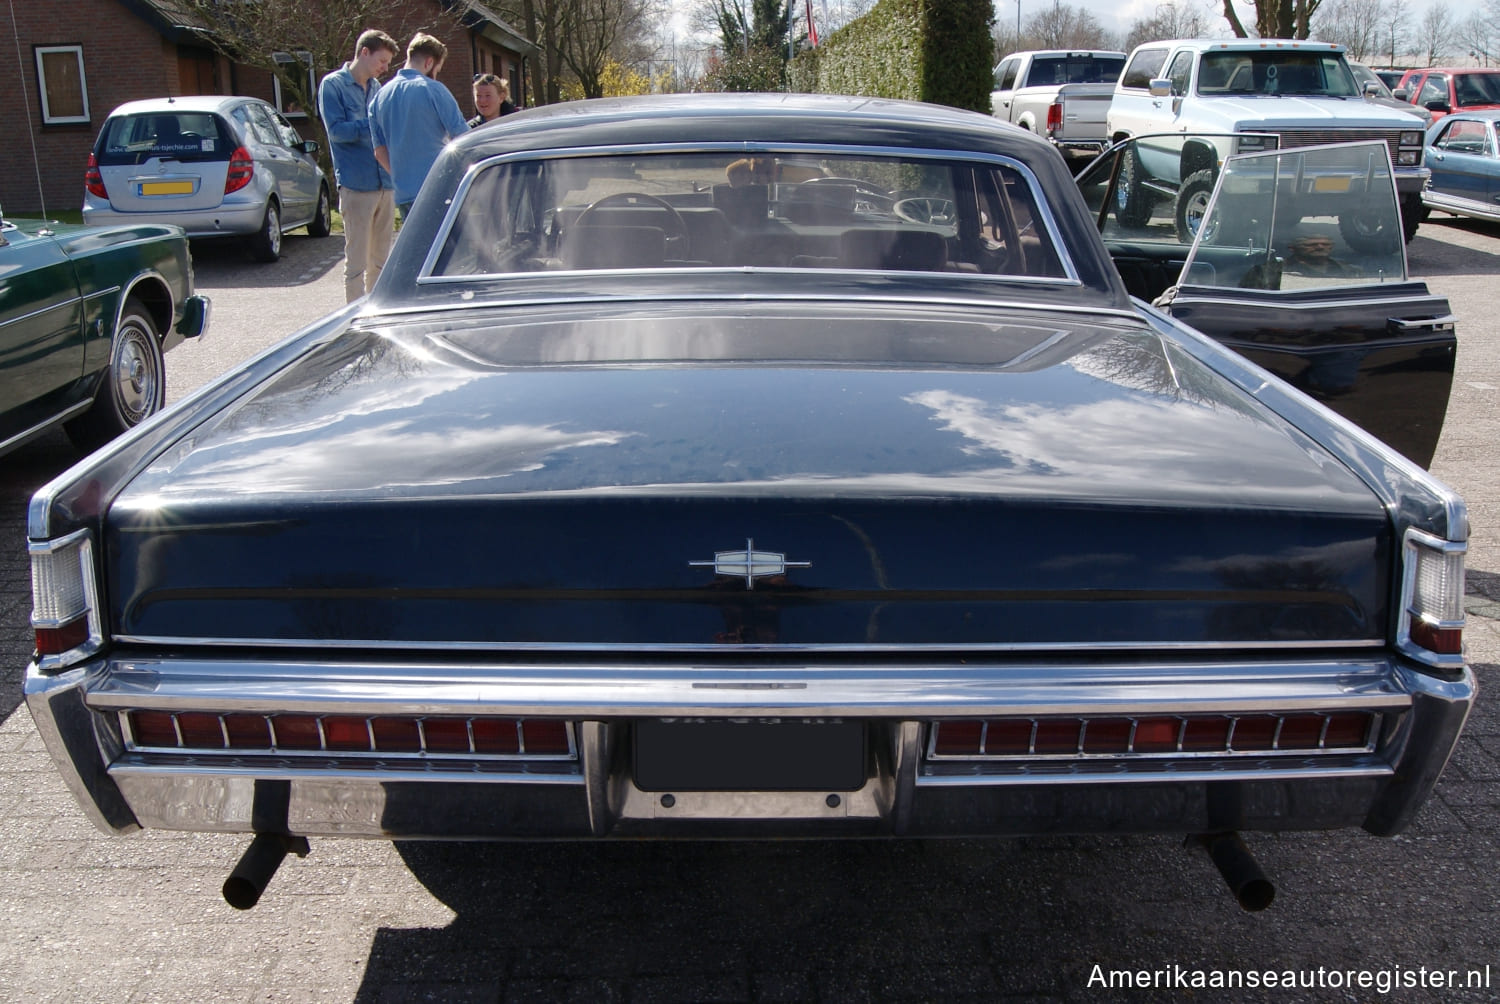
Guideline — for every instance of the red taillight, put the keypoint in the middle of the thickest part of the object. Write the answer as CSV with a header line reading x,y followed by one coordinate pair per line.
x,y
63,638
93,180
1156,735
1054,116
387,734
1442,640
241,170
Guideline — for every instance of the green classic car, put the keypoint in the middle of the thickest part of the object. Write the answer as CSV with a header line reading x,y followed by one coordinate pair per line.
x,y
86,314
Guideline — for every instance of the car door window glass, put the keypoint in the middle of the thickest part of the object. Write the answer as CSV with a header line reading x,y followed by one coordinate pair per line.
x,y
1465,136
1434,88
1005,77
1145,65
264,128
289,135
1178,72
1302,219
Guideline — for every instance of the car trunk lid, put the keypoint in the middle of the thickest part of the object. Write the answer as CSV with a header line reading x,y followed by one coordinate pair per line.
x,y
700,477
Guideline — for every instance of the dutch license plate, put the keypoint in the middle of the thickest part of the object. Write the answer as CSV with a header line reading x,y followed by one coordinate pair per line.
x,y
166,188
1331,184
752,754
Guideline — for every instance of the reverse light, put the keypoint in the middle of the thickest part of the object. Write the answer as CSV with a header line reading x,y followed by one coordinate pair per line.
x,y
93,180
241,170
1433,598
64,596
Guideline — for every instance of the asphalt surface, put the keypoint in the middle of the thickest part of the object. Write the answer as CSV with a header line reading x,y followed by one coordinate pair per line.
x,y
88,917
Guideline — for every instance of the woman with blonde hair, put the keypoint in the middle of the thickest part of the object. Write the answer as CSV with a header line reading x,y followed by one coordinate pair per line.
x,y
491,98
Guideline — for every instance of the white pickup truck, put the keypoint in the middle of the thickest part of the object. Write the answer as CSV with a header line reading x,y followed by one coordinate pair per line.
x,y
1269,91
1061,94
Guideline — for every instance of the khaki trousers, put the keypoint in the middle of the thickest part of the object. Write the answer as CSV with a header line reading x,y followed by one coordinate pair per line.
x,y
369,218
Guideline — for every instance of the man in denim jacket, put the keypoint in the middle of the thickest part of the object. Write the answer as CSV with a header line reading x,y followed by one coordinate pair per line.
x,y
366,195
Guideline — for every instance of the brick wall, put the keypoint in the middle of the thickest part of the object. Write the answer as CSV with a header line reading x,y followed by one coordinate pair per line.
x,y
124,58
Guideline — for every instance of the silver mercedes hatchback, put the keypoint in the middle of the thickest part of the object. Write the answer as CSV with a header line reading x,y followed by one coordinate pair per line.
x,y
215,165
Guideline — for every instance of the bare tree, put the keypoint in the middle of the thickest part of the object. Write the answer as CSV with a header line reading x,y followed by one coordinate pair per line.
x,y
1170,20
1394,23
1063,26
1354,24
284,36
595,33
1275,18
1476,36
1435,33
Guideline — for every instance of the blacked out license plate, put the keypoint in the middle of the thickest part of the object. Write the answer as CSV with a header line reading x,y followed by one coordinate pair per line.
x,y
749,754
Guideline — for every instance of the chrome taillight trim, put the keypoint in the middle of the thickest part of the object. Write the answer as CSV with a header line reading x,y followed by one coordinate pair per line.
x,y
1411,544
84,540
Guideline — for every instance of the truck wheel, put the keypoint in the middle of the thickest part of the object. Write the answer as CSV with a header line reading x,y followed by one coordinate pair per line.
x,y
1192,204
1413,214
1370,230
1132,201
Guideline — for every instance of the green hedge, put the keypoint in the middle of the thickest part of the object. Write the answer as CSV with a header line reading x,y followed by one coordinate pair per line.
x,y
922,50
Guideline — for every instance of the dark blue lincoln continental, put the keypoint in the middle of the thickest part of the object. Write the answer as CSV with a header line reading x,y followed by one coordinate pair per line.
x,y
752,466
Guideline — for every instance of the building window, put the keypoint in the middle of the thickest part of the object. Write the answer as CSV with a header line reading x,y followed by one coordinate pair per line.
x,y
60,80
287,104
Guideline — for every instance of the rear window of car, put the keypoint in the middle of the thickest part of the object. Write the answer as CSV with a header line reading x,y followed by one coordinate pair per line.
x,y
798,210
1074,69
179,135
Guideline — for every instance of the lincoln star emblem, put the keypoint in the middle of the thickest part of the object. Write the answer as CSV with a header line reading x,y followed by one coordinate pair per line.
x,y
750,563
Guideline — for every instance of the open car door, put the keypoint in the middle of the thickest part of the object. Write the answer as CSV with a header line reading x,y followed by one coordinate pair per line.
x,y
1293,258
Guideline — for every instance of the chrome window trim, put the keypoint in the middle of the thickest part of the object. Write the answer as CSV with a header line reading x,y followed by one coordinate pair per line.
x,y
1308,305
93,613
460,195
1411,540
342,644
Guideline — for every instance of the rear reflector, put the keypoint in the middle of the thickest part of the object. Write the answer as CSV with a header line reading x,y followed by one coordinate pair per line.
x,y
63,638
384,734
1155,735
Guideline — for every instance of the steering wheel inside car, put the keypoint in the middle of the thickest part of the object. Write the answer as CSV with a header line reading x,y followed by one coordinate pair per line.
x,y
874,193
926,209
677,229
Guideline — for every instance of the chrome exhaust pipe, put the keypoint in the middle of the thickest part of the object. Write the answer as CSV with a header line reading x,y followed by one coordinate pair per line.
x,y
244,885
1252,890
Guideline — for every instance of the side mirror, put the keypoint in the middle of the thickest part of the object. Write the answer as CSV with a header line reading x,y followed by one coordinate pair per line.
x,y
1160,87
1438,105
1401,94
1372,89
309,146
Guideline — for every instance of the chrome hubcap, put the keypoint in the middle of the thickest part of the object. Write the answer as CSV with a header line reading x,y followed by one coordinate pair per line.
x,y
137,379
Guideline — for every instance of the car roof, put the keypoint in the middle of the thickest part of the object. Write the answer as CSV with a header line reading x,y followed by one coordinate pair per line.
x,y
1455,69
184,103
775,120
1246,44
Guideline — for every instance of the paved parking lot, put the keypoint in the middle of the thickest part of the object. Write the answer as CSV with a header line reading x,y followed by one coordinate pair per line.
x,y
85,917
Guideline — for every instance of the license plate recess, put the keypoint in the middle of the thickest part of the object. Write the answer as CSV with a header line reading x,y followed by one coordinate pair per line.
x,y
749,754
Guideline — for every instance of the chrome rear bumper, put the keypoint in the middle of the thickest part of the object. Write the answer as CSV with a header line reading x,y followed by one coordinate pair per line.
x,y
592,794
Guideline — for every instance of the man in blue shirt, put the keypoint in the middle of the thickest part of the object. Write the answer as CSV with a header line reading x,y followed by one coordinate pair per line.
x,y
366,197
413,118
